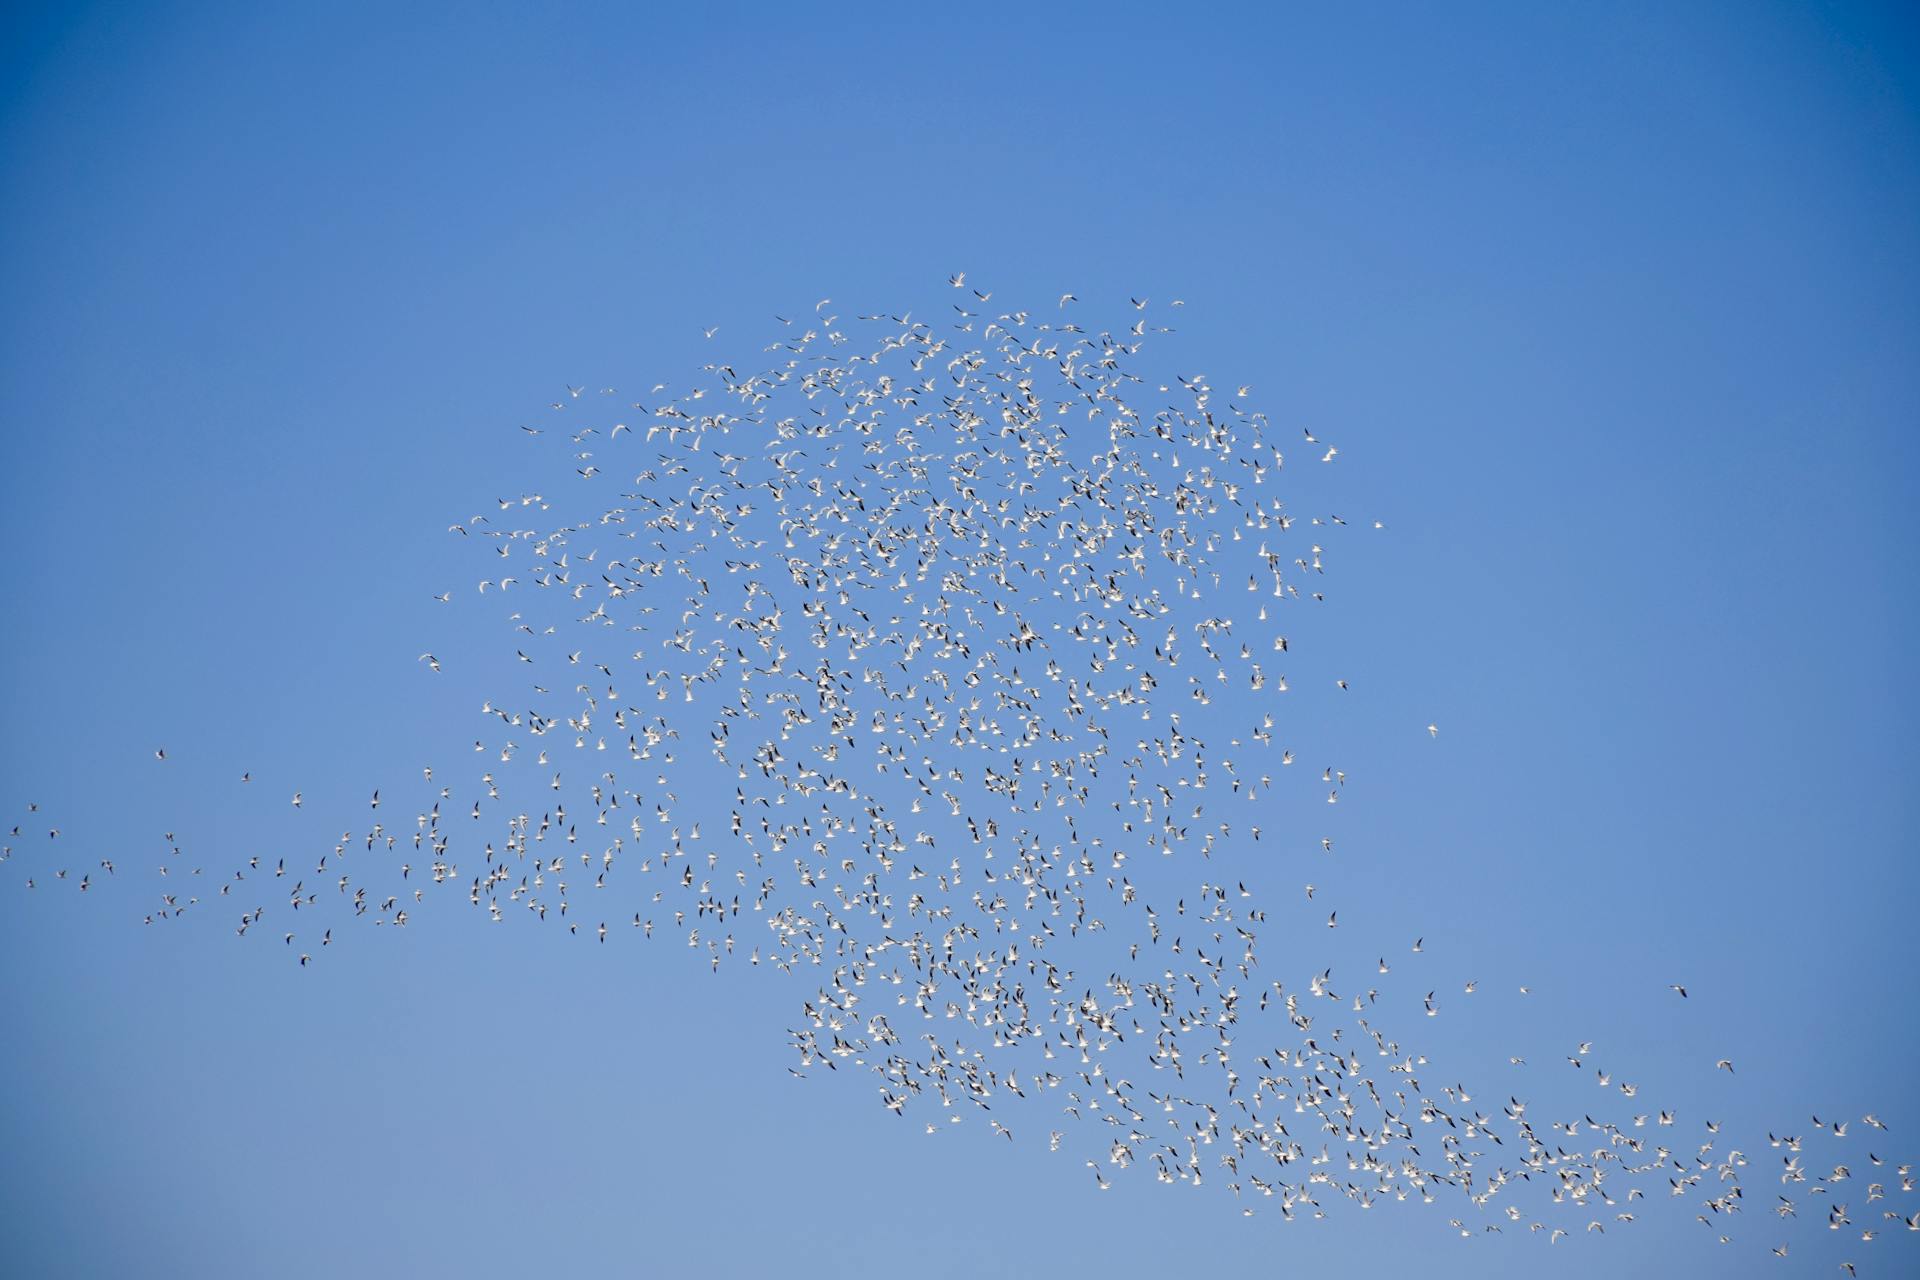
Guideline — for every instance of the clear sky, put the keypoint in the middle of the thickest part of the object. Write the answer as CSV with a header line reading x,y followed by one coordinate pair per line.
x,y
1613,315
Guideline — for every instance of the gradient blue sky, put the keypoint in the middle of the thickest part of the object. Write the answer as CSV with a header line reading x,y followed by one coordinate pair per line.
x,y
1614,313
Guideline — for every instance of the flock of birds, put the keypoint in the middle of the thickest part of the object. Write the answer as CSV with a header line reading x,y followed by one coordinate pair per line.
x,y
934,656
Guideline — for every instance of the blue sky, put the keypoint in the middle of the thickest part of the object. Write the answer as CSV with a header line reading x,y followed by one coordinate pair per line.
x,y
1611,314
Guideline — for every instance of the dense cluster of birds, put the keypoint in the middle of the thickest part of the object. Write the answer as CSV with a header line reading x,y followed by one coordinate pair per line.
x,y
950,658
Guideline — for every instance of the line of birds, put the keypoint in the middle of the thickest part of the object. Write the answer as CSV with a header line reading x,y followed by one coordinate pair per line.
x,y
961,641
